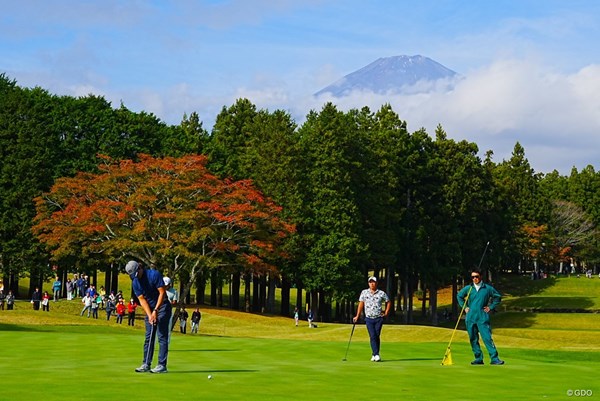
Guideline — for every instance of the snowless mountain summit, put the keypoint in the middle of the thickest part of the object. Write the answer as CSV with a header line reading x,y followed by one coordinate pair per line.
x,y
397,74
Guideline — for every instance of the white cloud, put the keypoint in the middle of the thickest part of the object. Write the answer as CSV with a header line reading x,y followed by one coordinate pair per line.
x,y
556,117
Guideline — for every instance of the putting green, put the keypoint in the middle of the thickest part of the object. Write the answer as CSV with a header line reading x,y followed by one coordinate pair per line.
x,y
97,362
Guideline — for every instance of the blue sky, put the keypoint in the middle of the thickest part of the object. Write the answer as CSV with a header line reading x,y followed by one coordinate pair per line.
x,y
531,68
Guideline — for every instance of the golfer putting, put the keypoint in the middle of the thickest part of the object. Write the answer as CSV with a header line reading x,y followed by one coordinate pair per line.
x,y
372,301
149,287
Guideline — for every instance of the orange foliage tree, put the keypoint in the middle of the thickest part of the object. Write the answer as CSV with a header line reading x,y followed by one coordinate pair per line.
x,y
539,243
169,213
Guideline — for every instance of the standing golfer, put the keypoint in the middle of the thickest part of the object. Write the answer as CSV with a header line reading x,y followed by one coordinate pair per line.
x,y
481,299
372,301
149,287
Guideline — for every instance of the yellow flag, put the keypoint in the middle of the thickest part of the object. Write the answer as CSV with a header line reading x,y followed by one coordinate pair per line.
x,y
447,358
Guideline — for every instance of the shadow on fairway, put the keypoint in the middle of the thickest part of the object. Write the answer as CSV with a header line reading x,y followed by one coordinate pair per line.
x,y
550,304
522,286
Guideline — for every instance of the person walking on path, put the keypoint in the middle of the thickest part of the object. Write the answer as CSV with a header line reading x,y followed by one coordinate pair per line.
x,y
36,298
10,300
110,307
149,287
87,305
121,308
183,317
2,299
46,301
481,299
69,285
56,288
131,312
376,305
196,316
96,301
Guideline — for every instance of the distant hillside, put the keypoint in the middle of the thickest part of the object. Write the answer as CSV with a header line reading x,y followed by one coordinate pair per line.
x,y
398,74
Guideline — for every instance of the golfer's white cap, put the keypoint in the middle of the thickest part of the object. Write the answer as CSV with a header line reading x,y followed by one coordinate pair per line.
x,y
373,278
167,280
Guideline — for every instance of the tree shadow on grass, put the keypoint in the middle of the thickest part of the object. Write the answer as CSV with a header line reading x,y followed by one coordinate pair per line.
x,y
513,320
549,304
521,285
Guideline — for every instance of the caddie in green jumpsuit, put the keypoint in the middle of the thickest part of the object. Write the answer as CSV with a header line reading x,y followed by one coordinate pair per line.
x,y
481,299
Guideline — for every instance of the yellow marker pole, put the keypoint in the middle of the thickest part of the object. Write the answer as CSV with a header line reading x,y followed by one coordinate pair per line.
x,y
447,360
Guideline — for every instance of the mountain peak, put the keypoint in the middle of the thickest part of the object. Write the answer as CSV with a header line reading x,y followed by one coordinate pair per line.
x,y
395,74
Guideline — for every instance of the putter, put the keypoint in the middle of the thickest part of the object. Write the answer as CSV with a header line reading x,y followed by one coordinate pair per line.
x,y
348,347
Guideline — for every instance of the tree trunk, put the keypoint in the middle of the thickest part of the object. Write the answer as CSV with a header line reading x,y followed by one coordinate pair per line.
x,y
63,280
114,267
213,288
408,294
285,297
248,305
299,297
391,291
433,304
220,293
255,294
107,281
235,291
454,294
271,293
263,293
200,287
424,302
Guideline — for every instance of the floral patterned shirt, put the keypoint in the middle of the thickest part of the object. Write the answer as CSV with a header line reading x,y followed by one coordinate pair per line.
x,y
374,302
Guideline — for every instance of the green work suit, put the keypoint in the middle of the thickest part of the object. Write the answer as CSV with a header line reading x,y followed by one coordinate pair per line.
x,y
477,320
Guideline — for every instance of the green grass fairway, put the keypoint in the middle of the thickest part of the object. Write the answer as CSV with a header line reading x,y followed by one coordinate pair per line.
x,y
97,361
549,356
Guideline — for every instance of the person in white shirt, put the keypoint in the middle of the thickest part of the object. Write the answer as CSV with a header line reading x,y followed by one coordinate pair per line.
x,y
376,305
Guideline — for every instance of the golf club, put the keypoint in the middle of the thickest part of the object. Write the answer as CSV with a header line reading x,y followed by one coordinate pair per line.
x,y
482,256
348,347
447,359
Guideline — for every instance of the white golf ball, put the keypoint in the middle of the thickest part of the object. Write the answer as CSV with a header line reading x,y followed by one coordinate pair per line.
x,y
209,377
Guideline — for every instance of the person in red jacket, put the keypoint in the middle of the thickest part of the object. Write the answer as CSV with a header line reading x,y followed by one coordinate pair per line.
x,y
46,301
121,308
131,312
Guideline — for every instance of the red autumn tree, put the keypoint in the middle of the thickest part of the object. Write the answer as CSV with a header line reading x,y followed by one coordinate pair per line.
x,y
170,213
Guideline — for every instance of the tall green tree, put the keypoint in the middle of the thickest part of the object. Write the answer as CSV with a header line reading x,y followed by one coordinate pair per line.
x,y
330,222
519,185
230,139
28,139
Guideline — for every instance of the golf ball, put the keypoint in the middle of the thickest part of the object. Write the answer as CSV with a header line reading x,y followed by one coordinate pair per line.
x,y
209,377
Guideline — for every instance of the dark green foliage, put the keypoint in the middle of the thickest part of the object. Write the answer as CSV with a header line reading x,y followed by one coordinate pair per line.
x,y
367,196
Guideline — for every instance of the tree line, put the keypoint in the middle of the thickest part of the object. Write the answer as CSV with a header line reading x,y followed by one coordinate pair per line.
x,y
317,206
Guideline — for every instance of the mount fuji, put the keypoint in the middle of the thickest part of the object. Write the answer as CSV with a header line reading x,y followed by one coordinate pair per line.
x,y
395,75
